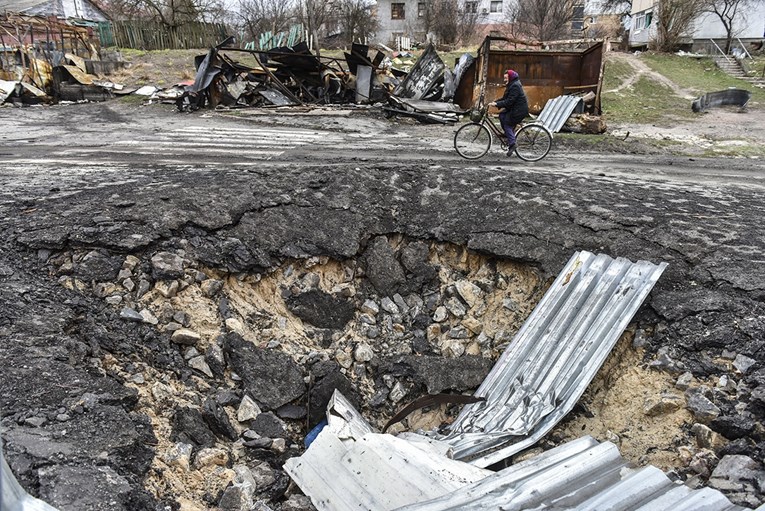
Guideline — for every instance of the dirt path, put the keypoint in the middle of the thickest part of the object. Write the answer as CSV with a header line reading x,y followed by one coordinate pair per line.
x,y
641,69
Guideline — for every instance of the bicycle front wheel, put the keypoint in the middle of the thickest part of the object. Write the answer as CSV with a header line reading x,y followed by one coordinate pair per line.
x,y
472,141
533,142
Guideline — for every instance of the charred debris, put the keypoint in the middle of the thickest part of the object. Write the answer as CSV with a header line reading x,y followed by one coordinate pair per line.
x,y
293,76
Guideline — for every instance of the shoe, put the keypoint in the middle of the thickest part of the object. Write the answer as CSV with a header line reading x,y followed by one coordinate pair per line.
x,y
511,150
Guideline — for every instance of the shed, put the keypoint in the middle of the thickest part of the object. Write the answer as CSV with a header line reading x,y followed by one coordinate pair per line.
x,y
545,73
62,9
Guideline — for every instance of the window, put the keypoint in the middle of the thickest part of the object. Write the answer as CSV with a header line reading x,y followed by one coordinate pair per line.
x,y
648,18
495,6
397,11
578,11
471,7
639,22
421,10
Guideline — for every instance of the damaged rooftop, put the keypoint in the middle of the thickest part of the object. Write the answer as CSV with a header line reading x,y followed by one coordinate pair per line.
x,y
272,284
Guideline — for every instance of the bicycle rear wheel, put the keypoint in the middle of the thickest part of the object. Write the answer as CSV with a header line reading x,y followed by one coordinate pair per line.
x,y
533,142
472,141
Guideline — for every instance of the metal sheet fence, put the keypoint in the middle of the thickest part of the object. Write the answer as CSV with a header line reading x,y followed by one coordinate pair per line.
x,y
151,35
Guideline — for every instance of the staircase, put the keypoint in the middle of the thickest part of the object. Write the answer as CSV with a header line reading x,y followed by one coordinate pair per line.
x,y
732,67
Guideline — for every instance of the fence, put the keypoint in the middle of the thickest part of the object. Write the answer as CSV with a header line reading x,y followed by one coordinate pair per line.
x,y
151,35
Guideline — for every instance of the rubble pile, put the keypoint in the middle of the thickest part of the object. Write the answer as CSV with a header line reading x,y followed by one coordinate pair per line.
x,y
225,372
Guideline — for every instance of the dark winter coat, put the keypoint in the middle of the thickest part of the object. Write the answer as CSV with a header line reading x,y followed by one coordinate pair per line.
x,y
514,101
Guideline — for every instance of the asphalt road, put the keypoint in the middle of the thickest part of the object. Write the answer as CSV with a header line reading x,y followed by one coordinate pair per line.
x,y
135,179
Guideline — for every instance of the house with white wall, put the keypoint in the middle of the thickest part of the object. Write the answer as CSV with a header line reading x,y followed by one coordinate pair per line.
x,y
749,26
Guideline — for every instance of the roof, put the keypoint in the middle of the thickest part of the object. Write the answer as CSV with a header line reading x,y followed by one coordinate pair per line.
x,y
553,357
20,5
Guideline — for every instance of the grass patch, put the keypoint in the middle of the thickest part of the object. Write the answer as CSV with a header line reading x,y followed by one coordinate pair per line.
x,y
646,102
616,72
698,74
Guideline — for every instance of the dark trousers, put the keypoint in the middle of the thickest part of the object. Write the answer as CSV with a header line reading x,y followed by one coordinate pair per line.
x,y
509,122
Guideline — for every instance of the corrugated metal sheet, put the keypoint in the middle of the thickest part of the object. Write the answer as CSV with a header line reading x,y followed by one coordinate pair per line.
x,y
553,357
584,475
557,111
12,495
376,472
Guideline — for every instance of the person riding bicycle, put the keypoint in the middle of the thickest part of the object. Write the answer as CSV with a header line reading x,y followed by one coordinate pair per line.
x,y
514,107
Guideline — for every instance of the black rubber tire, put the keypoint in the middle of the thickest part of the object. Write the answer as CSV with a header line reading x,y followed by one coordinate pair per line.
x,y
533,142
472,141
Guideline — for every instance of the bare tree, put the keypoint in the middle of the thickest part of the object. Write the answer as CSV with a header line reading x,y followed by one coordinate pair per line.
x,y
314,14
543,20
171,13
674,18
450,21
356,20
259,16
727,11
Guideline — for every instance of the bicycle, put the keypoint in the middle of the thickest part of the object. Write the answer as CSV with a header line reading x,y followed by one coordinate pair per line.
x,y
473,140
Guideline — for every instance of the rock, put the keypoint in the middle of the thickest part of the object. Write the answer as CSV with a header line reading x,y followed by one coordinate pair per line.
x,y
234,325
271,377
382,269
469,292
401,304
440,314
370,307
200,365
190,427
473,325
279,445
130,262
124,274
706,438
452,348
82,487
389,306
344,359
438,374
248,409
167,266
97,266
167,288
263,476
733,426
322,391
211,287
35,422
367,319
743,363
454,305
217,419
433,332
297,502
735,475
148,317
363,352
459,332
215,360
321,309
143,287
684,381
397,393
114,300
210,456
292,412
185,337
179,455
663,404
704,410
131,315
128,284
414,258
703,462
